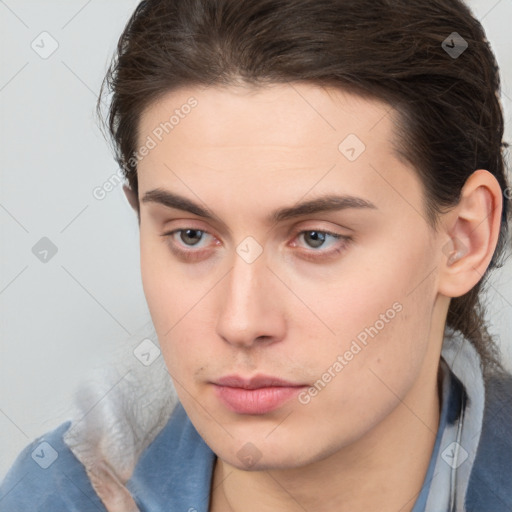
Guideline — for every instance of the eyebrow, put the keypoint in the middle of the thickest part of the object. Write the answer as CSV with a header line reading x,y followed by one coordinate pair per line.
x,y
327,203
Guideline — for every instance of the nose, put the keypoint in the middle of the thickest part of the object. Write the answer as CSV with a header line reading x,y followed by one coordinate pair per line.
x,y
251,308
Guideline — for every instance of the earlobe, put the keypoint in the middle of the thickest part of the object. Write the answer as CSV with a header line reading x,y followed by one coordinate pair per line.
x,y
132,197
472,228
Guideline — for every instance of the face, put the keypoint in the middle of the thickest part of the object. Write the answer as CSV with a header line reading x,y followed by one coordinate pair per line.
x,y
262,278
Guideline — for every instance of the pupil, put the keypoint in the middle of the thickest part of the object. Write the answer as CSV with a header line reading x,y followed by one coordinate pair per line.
x,y
190,234
318,238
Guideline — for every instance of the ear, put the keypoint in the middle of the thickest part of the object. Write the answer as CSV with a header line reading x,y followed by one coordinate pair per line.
x,y
472,229
132,197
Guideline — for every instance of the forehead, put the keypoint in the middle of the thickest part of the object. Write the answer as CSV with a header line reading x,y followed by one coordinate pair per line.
x,y
288,115
288,140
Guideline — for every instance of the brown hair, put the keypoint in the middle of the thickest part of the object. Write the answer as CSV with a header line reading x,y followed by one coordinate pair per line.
x,y
450,121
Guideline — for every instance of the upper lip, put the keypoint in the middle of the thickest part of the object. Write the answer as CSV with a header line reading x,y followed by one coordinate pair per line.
x,y
258,381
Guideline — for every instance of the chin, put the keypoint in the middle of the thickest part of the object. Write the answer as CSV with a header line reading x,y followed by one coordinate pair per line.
x,y
254,455
274,462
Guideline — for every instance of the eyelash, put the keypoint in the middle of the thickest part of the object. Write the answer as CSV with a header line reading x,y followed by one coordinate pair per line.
x,y
194,255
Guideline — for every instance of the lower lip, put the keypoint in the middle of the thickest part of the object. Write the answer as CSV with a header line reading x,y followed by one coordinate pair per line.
x,y
255,401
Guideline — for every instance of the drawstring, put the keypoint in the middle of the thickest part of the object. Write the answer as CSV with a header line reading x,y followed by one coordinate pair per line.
x,y
453,473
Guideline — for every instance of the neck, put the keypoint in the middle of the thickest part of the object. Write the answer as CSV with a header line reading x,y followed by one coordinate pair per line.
x,y
384,470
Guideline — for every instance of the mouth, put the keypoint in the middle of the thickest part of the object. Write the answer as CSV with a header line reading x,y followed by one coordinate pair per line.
x,y
258,395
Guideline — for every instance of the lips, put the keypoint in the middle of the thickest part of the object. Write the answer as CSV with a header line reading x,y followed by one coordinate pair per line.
x,y
257,395
258,381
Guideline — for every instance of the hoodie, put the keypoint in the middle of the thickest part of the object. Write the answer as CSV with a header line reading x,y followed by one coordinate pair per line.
x,y
130,446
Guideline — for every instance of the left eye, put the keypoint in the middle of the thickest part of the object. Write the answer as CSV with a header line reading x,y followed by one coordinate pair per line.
x,y
316,239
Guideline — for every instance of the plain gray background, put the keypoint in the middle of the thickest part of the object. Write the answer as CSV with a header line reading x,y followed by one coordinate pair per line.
x,y
63,317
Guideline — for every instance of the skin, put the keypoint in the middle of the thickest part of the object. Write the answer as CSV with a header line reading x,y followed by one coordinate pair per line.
x,y
365,440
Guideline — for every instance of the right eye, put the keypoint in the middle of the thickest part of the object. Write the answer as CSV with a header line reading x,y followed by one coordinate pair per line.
x,y
179,239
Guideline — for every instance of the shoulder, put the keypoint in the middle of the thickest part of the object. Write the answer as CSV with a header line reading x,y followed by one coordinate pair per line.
x,y
492,472
47,477
173,473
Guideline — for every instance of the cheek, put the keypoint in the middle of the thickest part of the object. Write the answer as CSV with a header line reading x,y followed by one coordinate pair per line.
x,y
154,282
177,300
375,293
381,316
369,380
167,289
165,298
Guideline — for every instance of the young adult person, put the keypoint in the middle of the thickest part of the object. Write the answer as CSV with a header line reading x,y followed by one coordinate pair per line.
x,y
320,188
